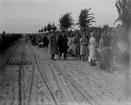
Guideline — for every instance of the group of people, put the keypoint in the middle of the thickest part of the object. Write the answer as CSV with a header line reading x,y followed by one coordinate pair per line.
x,y
88,48
85,47
58,44
36,40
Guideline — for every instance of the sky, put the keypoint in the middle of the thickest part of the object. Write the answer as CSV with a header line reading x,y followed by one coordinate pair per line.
x,y
31,15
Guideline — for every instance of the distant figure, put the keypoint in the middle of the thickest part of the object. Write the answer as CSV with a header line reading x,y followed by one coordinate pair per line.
x,y
92,50
60,44
53,45
105,54
3,36
83,46
65,46
33,40
77,46
46,42
27,38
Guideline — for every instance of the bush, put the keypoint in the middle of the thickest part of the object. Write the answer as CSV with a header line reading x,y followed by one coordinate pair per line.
x,y
10,39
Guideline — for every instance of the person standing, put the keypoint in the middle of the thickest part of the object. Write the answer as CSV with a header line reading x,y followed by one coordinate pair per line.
x,y
92,50
3,36
53,45
33,40
46,42
65,45
4,40
83,46
77,46
60,44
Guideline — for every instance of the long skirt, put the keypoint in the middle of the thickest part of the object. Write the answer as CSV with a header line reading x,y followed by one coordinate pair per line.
x,y
83,50
105,58
92,52
77,50
53,51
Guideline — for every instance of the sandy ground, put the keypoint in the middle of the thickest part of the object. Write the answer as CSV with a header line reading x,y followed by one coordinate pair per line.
x,y
29,77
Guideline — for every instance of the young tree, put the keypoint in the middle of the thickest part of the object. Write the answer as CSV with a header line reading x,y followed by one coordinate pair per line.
x,y
49,27
85,19
66,21
124,12
124,16
45,29
40,30
54,28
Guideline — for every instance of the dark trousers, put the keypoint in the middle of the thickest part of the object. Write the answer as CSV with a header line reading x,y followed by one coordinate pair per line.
x,y
60,54
46,47
61,50
52,56
65,53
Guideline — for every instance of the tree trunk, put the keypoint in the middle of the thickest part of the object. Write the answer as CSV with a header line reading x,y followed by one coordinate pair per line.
x,y
128,76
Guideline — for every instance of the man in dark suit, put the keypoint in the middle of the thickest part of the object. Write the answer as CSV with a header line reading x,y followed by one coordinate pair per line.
x,y
60,44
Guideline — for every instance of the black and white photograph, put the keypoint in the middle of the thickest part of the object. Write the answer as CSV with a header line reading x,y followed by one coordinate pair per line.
x,y
65,52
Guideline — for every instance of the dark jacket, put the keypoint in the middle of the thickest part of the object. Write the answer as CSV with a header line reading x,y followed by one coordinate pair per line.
x,y
46,41
61,43
65,42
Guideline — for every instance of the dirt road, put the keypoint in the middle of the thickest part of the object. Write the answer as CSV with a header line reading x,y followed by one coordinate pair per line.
x,y
29,77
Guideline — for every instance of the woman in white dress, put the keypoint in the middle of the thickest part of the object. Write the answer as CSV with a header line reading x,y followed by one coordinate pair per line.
x,y
92,50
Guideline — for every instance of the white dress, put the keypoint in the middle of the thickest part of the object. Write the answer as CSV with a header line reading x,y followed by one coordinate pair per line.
x,y
92,48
